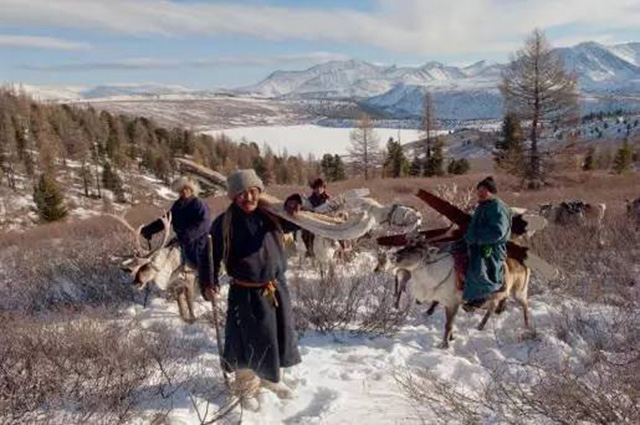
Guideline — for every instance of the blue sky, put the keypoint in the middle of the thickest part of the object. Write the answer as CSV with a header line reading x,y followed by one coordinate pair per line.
x,y
211,44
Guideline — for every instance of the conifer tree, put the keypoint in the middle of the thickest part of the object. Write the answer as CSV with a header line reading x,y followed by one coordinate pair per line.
x,y
415,170
434,165
396,163
48,199
333,168
458,166
509,152
624,158
590,160
112,181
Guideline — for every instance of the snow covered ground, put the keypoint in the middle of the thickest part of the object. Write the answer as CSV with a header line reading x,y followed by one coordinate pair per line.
x,y
309,138
346,379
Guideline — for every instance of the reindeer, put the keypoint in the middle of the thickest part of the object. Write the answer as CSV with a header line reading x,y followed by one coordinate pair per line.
x,y
576,212
430,274
163,266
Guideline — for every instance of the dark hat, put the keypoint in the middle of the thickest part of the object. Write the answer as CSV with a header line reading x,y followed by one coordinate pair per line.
x,y
318,183
489,184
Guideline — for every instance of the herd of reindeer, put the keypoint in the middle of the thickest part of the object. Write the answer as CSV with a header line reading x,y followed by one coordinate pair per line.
x,y
422,263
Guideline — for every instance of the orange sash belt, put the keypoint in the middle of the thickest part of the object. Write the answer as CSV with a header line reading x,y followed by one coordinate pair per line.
x,y
268,289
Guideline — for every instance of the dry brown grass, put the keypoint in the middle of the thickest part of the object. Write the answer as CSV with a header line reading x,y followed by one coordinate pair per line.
x,y
67,264
589,186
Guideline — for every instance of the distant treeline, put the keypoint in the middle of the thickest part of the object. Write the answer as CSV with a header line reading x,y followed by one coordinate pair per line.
x,y
37,138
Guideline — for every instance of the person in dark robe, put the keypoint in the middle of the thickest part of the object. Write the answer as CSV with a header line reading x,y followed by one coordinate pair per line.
x,y
191,221
260,338
319,196
486,239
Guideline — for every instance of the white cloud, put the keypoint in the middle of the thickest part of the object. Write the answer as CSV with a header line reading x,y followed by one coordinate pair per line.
x,y
155,63
410,26
40,42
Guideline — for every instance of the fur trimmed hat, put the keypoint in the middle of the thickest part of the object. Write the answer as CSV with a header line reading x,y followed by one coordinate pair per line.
x,y
185,181
241,180
489,184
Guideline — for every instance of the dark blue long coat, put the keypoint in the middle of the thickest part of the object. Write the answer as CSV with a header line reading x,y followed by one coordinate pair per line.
x,y
191,221
486,238
258,335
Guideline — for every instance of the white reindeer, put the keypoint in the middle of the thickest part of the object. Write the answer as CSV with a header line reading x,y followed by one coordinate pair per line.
x,y
430,274
162,266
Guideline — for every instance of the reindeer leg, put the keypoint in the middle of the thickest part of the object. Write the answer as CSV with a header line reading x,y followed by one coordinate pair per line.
x,y
182,308
146,295
502,306
190,293
432,308
450,314
525,312
491,307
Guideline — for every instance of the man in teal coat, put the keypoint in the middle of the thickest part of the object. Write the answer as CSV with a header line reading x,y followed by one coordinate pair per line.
x,y
486,238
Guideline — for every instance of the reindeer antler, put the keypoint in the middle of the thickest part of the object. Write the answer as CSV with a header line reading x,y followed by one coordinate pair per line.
x,y
138,250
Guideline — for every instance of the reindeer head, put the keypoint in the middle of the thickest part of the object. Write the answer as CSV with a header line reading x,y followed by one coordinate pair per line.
x,y
140,269
144,265
415,253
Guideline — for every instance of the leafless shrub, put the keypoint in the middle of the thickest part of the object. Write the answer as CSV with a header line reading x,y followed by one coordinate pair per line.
x,y
63,265
360,302
93,369
597,383
78,371
327,302
377,314
462,198
597,264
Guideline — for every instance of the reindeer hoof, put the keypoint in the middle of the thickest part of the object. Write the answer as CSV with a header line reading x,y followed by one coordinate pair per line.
x,y
480,327
444,345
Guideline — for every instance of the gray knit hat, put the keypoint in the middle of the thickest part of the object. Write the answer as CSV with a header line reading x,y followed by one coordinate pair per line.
x,y
241,180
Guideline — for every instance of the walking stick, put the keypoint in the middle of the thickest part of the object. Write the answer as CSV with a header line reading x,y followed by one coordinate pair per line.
x,y
216,321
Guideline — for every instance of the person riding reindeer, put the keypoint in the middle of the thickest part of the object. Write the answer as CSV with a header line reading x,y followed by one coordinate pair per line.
x,y
191,221
260,338
486,239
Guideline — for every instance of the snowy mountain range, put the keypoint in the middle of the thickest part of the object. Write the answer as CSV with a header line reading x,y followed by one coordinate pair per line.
x,y
609,78
468,92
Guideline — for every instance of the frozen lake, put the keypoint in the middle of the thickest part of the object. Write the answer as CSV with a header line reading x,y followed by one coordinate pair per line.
x,y
309,138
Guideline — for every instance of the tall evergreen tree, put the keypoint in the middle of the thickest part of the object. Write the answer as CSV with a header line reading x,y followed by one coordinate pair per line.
x,y
509,151
434,165
333,168
416,167
112,181
396,163
48,199
623,161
